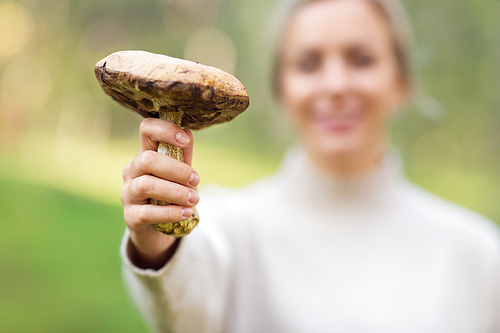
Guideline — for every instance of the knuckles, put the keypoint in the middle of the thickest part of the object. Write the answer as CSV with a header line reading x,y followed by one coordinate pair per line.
x,y
143,185
124,195
177,194
158,129
143,214
146,159
183,171
145,125
128,217
150,160
126,172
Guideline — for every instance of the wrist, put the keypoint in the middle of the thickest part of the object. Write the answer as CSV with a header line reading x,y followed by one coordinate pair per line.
x,y
155,254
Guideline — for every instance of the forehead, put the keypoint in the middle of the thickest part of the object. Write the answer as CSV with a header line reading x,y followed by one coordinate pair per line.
x,y
337,22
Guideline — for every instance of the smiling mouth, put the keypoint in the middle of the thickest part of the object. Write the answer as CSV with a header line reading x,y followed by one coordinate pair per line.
x,y
342,121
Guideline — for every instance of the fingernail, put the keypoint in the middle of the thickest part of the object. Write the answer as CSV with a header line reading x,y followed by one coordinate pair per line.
x,y
182,138
194,179
193,197
187,212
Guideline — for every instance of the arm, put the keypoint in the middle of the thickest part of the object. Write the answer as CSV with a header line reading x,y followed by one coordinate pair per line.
x,y
189,293
179,285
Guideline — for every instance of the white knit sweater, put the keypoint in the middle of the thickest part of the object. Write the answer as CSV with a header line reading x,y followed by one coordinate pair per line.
x,y
302,252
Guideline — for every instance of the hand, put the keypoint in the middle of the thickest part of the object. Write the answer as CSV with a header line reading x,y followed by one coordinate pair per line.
x,y
153,175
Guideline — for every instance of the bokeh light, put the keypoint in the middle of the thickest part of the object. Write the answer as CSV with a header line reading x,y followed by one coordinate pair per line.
x,y
25,85
16,28
213,47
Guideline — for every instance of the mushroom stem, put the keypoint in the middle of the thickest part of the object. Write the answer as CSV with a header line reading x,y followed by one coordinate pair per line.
x,y
181,228
166,148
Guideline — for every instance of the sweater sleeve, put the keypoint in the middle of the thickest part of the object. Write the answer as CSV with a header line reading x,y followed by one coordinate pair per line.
x,y
188,294
497,299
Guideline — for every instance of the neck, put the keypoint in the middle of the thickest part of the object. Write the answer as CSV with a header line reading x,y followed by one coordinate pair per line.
x,y
347,165
305,183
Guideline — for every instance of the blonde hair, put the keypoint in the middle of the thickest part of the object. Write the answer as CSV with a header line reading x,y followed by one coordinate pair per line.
x,y
392,10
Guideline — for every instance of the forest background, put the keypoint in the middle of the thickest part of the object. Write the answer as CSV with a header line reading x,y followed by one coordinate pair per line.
x,y
63,142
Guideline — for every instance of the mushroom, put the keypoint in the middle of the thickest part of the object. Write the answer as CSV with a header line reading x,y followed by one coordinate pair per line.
x,y
186,93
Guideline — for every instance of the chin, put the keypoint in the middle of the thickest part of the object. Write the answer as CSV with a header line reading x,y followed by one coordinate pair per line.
x,y
346,150
340,143
339,150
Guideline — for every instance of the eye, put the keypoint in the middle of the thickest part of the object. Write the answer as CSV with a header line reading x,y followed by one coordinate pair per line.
x,y
360,59
308,64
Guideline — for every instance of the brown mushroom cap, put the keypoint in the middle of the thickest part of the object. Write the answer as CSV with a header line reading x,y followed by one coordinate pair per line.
x,y
147,83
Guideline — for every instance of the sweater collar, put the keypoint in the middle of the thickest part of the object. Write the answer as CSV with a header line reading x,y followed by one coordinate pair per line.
x,y
305,183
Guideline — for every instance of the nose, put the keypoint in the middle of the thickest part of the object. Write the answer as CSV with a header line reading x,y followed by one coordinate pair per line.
x,y
335,77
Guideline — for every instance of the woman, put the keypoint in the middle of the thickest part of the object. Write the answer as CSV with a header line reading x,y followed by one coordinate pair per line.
x,y
337,240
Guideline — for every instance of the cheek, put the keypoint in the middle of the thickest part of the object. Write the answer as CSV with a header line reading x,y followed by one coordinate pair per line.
x,y
295,95
380,98
381,88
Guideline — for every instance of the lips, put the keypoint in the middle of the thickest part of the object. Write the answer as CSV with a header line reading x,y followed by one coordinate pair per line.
x,y
341,120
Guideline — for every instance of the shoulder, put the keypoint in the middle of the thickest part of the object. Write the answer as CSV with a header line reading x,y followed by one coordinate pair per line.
x,y
453,220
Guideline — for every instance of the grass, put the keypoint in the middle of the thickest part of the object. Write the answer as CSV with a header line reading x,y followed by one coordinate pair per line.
x,y
59,267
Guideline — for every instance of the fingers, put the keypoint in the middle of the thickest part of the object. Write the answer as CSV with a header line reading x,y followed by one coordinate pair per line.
x,y
157,176
161,166
153,130
140,189
137,216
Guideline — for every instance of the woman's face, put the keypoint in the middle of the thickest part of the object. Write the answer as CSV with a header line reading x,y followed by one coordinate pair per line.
x,y
340,81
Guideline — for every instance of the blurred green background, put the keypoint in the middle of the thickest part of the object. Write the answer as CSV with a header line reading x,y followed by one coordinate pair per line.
x,y
63,142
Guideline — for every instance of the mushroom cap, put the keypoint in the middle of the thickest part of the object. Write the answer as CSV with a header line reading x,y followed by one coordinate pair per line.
x,y
148,83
